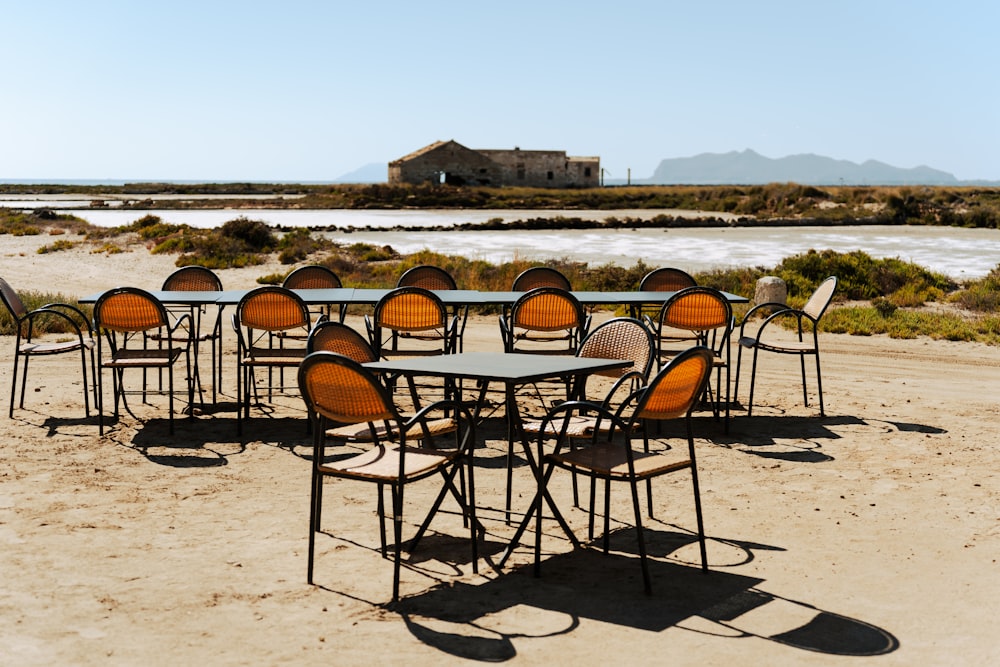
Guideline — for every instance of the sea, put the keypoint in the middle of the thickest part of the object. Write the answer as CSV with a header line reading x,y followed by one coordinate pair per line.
x,y
956,252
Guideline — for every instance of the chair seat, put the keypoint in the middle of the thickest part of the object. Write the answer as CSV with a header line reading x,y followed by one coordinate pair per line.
x,y
382,463
149,358
264,356
610,460
183,338
579,426
791,346
362,433
56,348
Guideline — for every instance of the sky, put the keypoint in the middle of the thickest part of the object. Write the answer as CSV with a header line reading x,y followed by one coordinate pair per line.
x,y
307,91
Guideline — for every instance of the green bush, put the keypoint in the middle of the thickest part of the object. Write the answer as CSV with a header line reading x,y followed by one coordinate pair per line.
x,y
981,295
255,235
61,244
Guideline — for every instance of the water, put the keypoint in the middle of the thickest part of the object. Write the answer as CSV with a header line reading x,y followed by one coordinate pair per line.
x,y
959,253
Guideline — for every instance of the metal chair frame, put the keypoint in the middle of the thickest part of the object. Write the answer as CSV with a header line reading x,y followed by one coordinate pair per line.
x,y
545,315
610,456
200,279
132,314
435,278
316,276
261,317
811,312
337,388
707,315
27,346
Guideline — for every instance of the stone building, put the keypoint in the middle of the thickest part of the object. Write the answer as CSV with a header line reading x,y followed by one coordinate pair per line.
x,y
451,162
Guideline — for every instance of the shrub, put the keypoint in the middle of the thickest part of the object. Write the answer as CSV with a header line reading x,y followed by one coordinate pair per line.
x,y
981,295
272,279
33,300
61,244
255,234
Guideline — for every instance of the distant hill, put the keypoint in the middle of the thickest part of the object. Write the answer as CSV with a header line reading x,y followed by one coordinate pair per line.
x,y
748,167
375,172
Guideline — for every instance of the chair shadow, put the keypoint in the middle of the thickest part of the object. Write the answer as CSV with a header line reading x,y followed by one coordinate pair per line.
x,y
209,442
794,439
587,584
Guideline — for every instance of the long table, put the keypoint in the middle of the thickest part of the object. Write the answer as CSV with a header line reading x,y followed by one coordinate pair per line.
x,y
371,296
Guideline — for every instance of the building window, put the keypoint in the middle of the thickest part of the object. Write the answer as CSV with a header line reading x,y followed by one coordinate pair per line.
x,y
550,175
520,173
586,172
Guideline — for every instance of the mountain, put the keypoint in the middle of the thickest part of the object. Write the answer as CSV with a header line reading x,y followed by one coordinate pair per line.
x,y
748,167
374,172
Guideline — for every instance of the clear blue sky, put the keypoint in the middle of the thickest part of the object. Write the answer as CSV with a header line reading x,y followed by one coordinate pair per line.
x,y
310,90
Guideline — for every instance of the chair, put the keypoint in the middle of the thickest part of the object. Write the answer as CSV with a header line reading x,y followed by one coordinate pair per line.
x,y
812,312
541,317
336,388
610,456
705,313
420,315
540,276
428,277
200,279
127,316
315,276
261,316
618,338
340,338
27,345
666,279
435,278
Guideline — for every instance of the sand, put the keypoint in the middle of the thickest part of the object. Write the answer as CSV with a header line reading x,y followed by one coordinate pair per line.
x,y
870,535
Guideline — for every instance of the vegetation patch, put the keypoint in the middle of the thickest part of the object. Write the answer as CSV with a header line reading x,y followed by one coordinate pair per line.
x,y
34,300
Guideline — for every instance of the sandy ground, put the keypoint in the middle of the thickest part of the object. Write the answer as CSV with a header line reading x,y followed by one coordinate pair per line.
x,y
868,536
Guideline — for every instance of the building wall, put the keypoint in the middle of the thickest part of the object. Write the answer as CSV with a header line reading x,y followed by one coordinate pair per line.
x,y
450,163
453,163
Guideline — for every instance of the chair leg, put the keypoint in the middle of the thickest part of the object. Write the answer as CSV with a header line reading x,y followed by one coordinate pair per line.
x,y
381,518
607,514
170,412
593,494
697,497
13,383
100,401
753,380
739,361
314,512
510,478
805,393
819,385
397,529
647,586
86,390
24,377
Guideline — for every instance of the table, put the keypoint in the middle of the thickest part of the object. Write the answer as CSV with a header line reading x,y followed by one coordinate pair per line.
x,y
371,296
512,369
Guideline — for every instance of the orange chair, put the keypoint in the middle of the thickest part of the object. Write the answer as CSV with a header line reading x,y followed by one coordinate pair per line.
x,y
435,278
540,276
541,317
200,279
338,389
414,314
611,456
316,276
262,316
127,316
